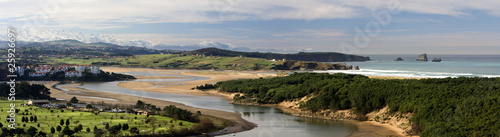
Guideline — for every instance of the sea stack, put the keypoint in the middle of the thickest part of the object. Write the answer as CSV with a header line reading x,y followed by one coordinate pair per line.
x,y
436,60
356,67
422,57
399,59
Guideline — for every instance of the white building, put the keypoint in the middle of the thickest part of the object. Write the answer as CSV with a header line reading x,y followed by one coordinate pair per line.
x,y
79,68
95,70
20,70
37,74
44,69
72,74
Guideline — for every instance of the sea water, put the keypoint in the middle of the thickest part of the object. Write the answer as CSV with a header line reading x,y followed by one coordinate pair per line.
x,y
450,66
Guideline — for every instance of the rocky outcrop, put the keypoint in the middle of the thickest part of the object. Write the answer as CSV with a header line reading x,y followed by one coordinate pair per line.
x,y
349,67
422,57
436,60
399,59
356,67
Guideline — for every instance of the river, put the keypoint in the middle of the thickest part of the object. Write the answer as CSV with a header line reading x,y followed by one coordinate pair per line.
x,y
271,122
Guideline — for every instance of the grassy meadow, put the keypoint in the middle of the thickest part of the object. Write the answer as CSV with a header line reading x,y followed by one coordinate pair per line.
x,y
48,118
176,61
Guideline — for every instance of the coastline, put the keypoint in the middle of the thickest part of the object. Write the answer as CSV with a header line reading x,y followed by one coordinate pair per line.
x,y
365,128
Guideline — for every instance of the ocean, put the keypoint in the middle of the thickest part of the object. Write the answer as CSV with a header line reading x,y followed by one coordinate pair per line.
x,y
450,66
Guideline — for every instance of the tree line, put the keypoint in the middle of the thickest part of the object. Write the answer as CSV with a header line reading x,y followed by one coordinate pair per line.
x,y
24,90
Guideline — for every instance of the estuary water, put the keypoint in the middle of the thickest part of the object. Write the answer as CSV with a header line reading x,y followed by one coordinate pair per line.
x,y
271,122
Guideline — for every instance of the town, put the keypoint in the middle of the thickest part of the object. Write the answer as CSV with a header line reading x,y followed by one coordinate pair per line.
x,y
69,70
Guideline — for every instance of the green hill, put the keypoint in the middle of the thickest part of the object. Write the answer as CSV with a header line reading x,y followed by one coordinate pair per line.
x,y
301,56
179,61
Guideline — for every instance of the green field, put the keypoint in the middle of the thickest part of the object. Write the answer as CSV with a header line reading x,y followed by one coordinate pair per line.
x,y
48,119
176,61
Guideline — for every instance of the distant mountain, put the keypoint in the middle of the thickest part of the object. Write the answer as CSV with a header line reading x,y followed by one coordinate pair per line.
x,y
301,56
65,43
204,44
39,35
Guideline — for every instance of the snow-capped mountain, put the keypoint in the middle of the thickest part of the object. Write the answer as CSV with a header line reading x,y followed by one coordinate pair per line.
x,y
39,35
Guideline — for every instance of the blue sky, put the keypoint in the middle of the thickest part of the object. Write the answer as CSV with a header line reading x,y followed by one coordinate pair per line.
x,y
416,26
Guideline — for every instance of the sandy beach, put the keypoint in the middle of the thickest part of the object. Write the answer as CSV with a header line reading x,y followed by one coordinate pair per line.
x,y
365,128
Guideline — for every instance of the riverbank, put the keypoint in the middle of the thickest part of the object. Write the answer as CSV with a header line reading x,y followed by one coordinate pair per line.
x,y
112,98
365,128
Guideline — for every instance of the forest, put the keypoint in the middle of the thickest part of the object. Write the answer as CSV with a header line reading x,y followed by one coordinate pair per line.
x,y
24,90
463,106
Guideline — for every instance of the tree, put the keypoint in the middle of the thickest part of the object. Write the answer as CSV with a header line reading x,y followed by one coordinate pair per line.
x,y
58,128
80,127
67,131
125,126
106,126
114,129
38,125
61,122
139,104
134,130
67,122
88,129
76,129
119,126
98,132
73,100
41,134
52,130
88,106
152,123
35,119
31,119
32,131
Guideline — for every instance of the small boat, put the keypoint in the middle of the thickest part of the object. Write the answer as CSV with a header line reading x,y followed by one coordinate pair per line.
x,y
399,59
436,60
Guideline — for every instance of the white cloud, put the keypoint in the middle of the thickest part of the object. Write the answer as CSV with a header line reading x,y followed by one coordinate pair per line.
x,y
98,14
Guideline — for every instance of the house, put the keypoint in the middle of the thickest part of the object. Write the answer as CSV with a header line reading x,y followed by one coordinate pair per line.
x,y
43,69
79,68
37,74
20,70
95,70
141,111
73,74
37,102
117,110
100,108
79,106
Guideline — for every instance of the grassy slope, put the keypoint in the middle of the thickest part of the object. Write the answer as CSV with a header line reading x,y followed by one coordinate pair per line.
x,y
46,119
172,61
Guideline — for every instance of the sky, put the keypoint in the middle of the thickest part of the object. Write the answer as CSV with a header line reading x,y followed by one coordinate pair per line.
x,y
348,26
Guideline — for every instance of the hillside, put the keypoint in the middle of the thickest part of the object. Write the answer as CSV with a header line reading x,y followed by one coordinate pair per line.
x,y
176,61
302,56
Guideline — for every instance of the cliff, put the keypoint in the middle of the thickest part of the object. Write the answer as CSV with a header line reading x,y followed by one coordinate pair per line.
x,y
302,56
